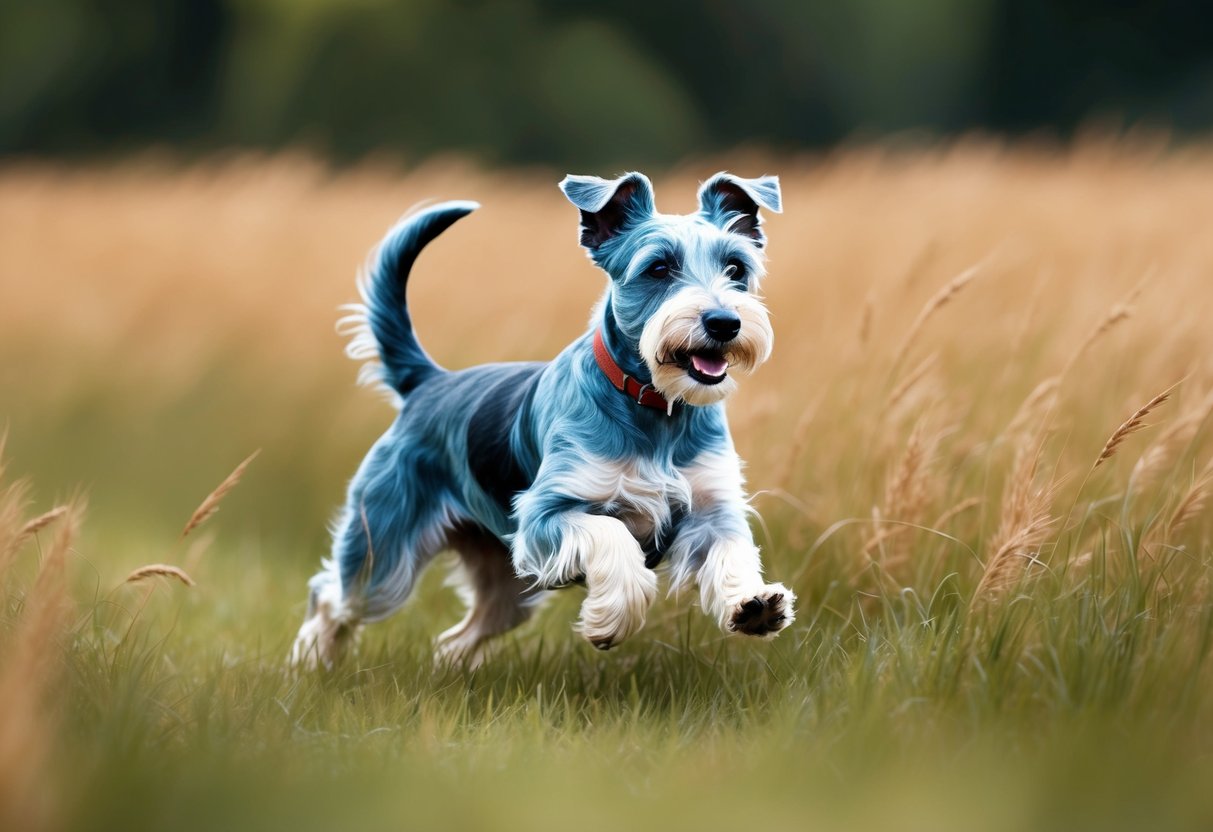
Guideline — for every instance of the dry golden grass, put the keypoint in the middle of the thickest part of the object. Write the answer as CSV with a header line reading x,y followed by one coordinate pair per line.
x,y
922,418
1193,502
210,503
148,274
1023,527
159,570
1130,426
32,661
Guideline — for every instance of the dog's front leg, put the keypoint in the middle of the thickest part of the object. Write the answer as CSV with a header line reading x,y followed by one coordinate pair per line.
x,y
733,592
715,548
558,547
619,587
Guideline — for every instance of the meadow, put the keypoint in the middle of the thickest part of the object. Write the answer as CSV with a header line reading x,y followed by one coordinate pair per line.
x,y
981,453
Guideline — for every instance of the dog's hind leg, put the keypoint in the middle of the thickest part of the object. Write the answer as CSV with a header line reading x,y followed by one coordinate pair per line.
x,y
498,600
392,526
371,574
330,626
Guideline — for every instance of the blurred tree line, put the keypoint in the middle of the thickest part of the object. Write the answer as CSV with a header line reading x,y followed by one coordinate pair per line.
x,y
586,84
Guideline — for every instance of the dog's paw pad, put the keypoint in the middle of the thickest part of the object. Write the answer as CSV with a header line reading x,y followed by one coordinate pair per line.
x,y
765,614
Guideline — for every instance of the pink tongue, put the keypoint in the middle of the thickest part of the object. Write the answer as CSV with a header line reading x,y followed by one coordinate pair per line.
x,y
709,366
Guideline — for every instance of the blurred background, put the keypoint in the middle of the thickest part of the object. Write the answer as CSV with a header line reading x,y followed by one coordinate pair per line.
x,y
589,85
187,188
995,241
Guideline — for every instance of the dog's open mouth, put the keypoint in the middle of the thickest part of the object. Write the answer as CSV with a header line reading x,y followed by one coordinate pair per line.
x,y
705,366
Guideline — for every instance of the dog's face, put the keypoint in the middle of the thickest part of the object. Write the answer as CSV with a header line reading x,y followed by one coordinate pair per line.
x,y
684,289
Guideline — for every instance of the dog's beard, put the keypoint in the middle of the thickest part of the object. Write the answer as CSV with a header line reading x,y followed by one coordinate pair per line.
x,y
676,348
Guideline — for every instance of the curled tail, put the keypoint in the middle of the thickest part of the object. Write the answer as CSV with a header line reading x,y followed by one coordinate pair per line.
x,y
380,325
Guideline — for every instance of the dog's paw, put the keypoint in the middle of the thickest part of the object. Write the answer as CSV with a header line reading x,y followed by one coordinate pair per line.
x,y
323,641
765,613
613,613
455,653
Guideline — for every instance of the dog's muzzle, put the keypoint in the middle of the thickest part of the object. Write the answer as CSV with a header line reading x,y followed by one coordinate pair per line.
x,y
710,364
693,341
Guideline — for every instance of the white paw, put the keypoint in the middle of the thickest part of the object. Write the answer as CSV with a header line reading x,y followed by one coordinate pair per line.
x,y
466,653
322,641
616,611
764,613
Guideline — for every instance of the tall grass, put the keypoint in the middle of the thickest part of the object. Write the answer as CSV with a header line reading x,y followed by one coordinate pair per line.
x,y
1003,556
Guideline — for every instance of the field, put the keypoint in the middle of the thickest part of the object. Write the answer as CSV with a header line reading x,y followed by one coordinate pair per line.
x,y
981,453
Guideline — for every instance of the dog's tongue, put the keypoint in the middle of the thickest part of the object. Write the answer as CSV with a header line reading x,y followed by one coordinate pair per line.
x,y
709,366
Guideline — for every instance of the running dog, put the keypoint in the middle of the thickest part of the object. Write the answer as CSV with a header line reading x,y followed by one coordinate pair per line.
x,y
592,468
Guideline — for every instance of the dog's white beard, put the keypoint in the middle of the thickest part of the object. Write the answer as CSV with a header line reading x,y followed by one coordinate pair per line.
x,y
676,327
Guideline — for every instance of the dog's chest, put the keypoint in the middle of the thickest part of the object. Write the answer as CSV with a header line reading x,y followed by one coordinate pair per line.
x,y
643,494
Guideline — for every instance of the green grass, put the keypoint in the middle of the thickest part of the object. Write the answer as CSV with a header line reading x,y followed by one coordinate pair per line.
x,y
1079,707
1080,700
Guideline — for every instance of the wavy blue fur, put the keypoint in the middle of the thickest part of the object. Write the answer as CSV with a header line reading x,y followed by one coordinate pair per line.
x,y
485,448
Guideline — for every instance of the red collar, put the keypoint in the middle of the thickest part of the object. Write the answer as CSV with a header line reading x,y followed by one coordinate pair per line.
x,y
640,393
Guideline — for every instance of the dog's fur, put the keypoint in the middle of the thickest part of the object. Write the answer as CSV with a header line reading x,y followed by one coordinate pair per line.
x,y
541,475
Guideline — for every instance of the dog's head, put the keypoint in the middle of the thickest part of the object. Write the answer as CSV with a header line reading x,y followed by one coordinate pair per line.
x,y
684,289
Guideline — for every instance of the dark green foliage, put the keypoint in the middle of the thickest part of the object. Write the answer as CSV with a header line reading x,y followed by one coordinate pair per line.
x,y
588,85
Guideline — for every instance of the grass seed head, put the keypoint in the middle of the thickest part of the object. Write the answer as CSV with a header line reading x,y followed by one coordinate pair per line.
x,y
159,570
1131,426
211,504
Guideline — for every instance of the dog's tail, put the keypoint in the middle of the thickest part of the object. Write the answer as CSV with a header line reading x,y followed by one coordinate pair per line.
x,y
380,325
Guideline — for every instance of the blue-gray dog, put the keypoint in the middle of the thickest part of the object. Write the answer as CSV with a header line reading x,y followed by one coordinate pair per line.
x,y
593,468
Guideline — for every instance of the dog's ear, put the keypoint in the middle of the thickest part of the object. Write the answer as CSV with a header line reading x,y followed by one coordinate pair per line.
x,y
608,206
732,203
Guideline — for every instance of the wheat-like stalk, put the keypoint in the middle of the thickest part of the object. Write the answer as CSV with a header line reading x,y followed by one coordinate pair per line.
x,y
1131,426
14,498
42,521
1040,401
906,493
905,489
1017,494
1021,549
936,302
13,501
159,570
211,504
956,510
911,380
193,555
33,660
1120,312
1193,502
1178,435
1024,526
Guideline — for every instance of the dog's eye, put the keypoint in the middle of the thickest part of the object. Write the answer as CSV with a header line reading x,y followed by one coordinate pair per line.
x,y
659,270
735,271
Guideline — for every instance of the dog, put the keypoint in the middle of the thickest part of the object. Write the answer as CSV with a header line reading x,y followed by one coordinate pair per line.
x,y
591,469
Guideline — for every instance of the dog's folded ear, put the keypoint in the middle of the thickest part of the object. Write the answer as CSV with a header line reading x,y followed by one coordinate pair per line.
x,y
608,206
732,203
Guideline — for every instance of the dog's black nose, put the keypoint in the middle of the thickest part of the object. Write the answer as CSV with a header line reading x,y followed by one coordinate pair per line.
x,y
721,324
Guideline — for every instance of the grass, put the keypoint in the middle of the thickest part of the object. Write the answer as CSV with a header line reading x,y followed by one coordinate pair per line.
x,y
1002,556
